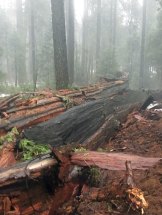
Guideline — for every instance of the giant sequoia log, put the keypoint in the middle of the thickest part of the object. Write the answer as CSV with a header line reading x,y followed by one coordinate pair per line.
x,y
80,123
25,110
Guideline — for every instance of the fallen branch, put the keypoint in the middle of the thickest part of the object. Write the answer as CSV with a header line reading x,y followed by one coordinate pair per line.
x,y
7,101
112,161
31,169
108,161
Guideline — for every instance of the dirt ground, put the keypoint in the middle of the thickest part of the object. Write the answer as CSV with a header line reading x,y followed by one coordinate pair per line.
x,y
140,135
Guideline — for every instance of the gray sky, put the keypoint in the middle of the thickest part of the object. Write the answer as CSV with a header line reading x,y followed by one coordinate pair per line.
x,y
79,6
6,3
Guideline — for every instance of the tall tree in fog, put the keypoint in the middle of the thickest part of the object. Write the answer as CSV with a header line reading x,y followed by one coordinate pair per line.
x,y
113,31
143,41
98,34
59,42
70,39
154,52
84,43
132,10
113,26
131,41
32,44
160,1
20,48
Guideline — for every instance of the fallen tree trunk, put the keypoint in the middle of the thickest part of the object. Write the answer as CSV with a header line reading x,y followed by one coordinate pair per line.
x,y
107,161
29,169
23,113
111,125
112,161
80,123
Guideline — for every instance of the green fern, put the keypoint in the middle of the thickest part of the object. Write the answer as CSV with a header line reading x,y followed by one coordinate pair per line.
x,y
31,149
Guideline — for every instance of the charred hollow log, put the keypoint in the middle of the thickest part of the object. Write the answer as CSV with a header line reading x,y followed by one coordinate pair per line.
x,y
80,123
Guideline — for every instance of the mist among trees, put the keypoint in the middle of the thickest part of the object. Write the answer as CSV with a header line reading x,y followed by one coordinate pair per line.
x,y
44,44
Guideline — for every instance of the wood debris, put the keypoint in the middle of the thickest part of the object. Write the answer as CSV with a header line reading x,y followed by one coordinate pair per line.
x,y
79,180
135,195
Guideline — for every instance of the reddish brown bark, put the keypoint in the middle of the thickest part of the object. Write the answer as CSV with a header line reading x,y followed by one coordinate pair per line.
x,y
112,161
7,157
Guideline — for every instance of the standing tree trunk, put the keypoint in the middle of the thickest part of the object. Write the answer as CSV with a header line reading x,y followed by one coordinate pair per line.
x,y
21,45
84,77
111,23
32,45
113,17
143,40
98,35
59,43
70,39
130,46
114,29
15,62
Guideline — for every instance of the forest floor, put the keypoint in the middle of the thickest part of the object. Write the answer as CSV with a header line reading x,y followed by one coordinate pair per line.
x,y
97,191
140,135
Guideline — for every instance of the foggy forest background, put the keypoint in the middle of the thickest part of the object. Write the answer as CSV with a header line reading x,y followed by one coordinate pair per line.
x,y
114,38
